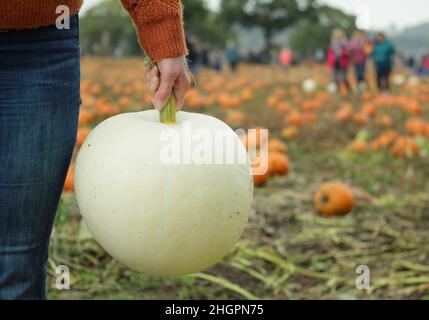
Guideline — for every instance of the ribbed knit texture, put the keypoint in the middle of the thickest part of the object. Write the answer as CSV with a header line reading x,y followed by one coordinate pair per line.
x,y
159,23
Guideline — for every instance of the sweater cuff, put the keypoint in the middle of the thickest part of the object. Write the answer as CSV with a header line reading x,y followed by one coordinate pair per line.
x,y
159,27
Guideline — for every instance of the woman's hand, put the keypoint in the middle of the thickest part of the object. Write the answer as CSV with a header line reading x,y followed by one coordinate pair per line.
x,y
169,74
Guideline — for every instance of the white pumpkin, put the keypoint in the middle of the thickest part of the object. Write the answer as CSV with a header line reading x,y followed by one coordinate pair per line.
x,y
399,79
309,85
156,217
331,87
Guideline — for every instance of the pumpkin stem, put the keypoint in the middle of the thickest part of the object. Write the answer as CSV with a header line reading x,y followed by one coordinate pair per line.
x,y
325,198
168,114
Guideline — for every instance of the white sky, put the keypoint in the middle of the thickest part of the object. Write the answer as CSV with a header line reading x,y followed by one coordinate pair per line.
x,y
382,13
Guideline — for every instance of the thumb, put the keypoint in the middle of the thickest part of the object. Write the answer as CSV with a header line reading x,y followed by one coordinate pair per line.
x,y
164,91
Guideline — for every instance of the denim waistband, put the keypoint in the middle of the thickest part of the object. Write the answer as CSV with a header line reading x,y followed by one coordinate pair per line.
x,y
42,33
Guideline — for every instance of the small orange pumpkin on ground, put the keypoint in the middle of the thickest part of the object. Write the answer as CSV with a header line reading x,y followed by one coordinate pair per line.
x,y
405,147
276,145
255,139
383,140
82,133
344,113
246,95
294,118
333,199
385,120
278,163
259,179
290,132
68,184
416,126
85,117
358,146
235,118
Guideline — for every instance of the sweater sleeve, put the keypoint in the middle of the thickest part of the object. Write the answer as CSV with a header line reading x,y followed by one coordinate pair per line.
x,y
159,25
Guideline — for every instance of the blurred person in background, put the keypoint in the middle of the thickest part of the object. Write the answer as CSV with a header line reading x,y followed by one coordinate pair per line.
x,y
424,66
319,56
39,110
338,58
382,54
285,58
232,55
410,62
195,55
216,59
359,57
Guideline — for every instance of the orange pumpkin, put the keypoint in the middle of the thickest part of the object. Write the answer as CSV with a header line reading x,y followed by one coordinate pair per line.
x,y
333,199
260,179
82,133
361,118
271,101
294,118
383,140
68,184
276,145
357,146
344,113
405,147
255,140
124,102
246,95
290,132
278,163
370,109
85,117
282,107
235,118
385,120
416,126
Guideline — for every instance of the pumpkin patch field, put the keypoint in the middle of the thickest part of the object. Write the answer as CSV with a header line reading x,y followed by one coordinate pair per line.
x,y
347,186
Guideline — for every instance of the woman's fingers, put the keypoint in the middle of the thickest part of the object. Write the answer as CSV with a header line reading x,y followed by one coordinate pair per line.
x,y
163,93
154,84
150,73
172,74
180,88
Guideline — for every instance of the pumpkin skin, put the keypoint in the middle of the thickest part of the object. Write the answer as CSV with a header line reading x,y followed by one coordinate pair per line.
x,y
278,163
68,183
157,218
82,133
275,145
333,199
357,146
405,147
260,179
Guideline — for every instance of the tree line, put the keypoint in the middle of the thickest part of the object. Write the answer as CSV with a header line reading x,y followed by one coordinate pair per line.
x,y
106,29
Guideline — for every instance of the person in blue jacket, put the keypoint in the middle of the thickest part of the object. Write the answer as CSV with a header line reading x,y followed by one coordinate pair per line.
x,y
382,55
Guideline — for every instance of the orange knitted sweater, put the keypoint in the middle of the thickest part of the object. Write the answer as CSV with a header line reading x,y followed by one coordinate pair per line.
x,y
159,23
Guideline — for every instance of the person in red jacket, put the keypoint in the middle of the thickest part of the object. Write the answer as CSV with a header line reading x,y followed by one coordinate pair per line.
x,y
424,68
359,56
338,58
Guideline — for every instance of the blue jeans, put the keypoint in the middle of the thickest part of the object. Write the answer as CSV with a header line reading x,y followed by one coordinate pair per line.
x,y
39,107
360,72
